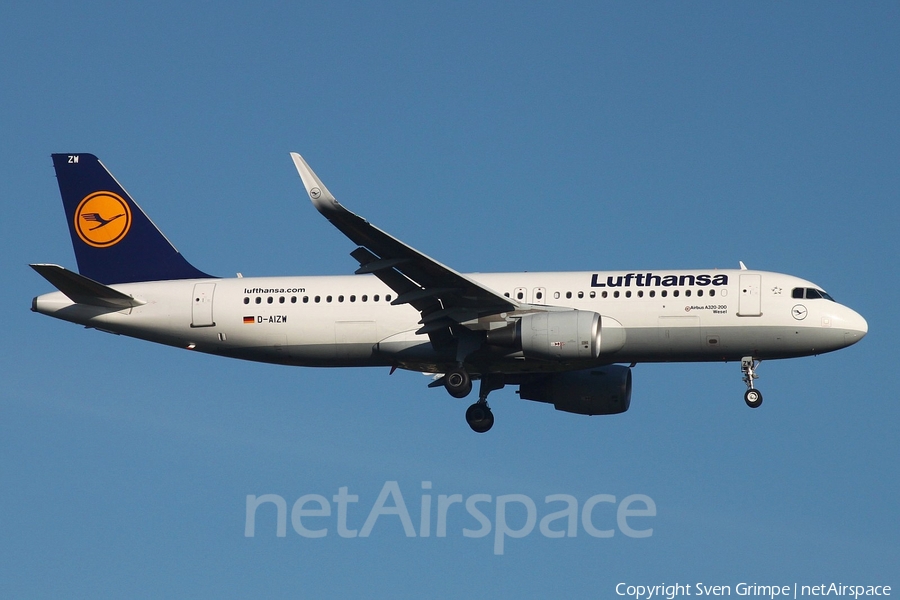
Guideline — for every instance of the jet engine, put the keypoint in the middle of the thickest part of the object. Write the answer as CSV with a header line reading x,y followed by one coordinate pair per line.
x,y
598,391
561,335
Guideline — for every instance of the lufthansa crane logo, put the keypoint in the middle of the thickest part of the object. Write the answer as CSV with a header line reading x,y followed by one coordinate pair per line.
x,y
799,312
102,219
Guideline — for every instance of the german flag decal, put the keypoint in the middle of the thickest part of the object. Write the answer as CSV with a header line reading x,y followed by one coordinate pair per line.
x,y
249,320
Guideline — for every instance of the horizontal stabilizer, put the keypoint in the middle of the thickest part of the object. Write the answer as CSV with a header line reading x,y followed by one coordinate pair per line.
x,y
81,290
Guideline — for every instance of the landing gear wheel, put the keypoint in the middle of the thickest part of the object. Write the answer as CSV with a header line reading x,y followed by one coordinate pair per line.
x,y
753,398
458,383
479,417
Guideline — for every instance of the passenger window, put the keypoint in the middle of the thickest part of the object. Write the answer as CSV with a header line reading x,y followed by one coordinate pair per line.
x,y
581,294
327,298
568,294
375,298
270,299
699,292
246,300
305,299
628,294
352,298
318,299
675,294
281,300
556,295
605,294
258,300
506,294
687,293
387,298
616,294
293,299
712,292
593,294
653,293
640,293
365,298
341,298
664,293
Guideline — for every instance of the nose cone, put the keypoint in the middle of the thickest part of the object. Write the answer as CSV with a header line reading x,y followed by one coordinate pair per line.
x,y
854,326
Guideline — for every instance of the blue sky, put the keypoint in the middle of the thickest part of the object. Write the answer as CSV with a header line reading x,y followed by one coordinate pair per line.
x,y
492,137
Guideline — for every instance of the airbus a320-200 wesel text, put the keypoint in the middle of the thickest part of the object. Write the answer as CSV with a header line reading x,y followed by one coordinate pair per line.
x,y
566,338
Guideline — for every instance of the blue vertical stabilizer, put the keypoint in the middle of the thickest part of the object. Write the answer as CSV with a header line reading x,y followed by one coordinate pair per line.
x,y
114,241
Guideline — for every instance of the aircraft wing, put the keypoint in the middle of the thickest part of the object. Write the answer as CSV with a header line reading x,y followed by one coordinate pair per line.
x,y
443,296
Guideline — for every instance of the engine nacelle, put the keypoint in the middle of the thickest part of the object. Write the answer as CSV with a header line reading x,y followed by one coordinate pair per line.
x,y
561,335
599,391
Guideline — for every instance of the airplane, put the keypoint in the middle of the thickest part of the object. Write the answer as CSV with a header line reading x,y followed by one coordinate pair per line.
x,y
569,339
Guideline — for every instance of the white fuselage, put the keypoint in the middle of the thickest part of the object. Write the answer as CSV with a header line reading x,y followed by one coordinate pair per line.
x,y
712,315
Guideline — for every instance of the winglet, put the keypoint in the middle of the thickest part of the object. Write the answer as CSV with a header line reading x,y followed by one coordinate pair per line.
x,y
321,198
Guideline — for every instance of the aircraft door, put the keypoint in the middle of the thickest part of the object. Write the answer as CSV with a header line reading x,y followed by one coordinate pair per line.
x,y
202,305
540,296
749,304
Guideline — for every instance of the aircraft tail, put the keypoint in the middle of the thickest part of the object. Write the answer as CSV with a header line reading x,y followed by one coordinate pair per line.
x,y
114,240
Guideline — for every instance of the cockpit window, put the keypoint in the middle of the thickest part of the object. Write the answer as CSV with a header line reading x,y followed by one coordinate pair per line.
x,y
810,294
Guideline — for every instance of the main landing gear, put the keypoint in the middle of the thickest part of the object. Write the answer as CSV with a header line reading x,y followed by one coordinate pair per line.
x,y
458,383
753,397
479,415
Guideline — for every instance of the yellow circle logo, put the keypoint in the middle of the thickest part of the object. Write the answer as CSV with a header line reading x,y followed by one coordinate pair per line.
x,y
102,219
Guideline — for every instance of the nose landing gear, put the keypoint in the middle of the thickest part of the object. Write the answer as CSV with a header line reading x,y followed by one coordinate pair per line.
x,y
752,396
